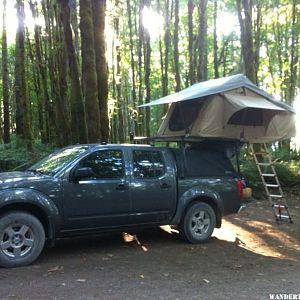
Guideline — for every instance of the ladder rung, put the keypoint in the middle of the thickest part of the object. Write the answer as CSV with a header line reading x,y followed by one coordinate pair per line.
x,y
270,180
275,196
272,185
283,217
268,175
260,153
265,164
280,206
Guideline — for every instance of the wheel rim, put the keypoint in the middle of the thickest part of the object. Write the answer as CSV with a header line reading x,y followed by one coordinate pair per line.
x,y
200,223
17,240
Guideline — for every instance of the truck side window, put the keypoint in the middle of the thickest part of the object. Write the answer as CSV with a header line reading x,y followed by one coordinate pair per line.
x,y
106,164
148,164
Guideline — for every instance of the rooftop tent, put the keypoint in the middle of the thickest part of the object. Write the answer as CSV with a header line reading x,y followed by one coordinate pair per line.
x,y
227,108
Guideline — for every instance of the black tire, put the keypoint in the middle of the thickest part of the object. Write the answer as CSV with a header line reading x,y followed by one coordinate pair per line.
x,y
198,223
22,239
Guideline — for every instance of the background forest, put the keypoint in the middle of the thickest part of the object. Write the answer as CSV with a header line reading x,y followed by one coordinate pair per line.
x,y
75,71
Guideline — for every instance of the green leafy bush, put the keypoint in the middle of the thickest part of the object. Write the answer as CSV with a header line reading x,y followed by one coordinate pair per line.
x,y
15,156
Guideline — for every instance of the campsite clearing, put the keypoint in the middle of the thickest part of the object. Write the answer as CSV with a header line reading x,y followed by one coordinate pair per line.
x,y
251,257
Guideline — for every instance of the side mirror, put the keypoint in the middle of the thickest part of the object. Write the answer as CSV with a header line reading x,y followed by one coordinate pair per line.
x,y
83,173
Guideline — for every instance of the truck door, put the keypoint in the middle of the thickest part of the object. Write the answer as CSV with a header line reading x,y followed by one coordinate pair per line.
x,y
153,189
99,200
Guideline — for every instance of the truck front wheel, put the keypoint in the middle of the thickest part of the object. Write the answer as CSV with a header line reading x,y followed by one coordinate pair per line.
x,y
198,223
22,238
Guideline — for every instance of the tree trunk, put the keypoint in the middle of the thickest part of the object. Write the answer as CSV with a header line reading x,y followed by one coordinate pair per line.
x,y
23,126
167,40
78,117
74,23
216,62
5,80
244,9
202,67
140,34
101,64
294,53
147,67
191,42
176,50
89,74
134,116
62,107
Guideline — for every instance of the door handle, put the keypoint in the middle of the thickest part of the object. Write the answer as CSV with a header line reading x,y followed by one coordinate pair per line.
x,y
165,186
121,187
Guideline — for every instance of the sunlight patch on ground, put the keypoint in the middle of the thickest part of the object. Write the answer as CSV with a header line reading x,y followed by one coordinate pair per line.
x,y
253,241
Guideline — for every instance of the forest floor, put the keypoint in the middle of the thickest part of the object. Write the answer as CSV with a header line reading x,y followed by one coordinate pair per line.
x,y
250,257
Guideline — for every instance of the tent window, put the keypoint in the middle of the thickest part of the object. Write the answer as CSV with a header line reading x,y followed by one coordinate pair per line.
x,y
184,115
247,117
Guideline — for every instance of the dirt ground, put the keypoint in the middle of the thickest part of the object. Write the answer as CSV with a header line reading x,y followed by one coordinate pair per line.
x,y
250,257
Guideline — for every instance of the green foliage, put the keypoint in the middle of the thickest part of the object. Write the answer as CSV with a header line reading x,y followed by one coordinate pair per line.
x,y
15,156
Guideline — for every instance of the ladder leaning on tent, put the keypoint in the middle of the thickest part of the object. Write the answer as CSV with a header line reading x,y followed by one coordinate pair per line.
x,y
271,184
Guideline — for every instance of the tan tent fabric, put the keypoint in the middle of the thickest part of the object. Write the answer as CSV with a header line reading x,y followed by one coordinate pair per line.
x,y
240,101
213,119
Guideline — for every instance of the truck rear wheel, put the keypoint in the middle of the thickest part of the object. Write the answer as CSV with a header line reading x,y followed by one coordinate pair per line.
x,y
198,223
22,238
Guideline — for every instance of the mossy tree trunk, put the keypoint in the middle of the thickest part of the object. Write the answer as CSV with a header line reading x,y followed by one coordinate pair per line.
x,y
78,117
89,74
101,64
23,126
5,80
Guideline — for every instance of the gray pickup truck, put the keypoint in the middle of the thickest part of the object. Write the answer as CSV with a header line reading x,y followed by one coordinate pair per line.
x,y
89,189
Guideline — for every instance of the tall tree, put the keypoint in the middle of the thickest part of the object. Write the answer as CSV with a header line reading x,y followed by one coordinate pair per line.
x,y
89,74
191,7
294,60
176,50
147,67
167,42
23,126
202,66
215,40
134,127
78,117
118,82
244,9
5,80
101,64
74,22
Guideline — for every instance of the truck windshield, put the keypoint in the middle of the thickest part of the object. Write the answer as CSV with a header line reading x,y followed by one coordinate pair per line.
x,y
58,160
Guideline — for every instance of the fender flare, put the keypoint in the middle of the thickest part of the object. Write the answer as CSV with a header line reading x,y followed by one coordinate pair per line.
x,y
199,193
33,198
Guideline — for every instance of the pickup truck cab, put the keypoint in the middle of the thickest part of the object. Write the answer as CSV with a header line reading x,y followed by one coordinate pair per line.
x,y
89,189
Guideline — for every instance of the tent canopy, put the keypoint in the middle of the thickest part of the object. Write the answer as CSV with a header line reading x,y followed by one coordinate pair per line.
x,y
230,108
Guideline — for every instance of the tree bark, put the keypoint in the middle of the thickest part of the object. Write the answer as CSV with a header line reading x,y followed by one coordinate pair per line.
x,y
101,64
244,9
191,42
134,115
23,126
5,80
176,50
147,68
74,22
294,52
202,67
167,40
215,42
78,117
89,74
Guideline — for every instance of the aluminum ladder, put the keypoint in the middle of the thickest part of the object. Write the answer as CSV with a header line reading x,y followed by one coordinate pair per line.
x,y
271,183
